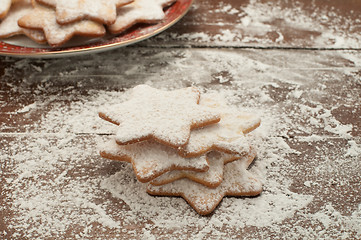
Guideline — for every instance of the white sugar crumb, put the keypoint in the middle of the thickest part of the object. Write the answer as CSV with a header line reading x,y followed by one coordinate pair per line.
x,y
27,108
354,150
308,183
145,114
53,205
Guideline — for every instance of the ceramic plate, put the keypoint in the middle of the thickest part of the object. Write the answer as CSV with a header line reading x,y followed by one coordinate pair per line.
x,y
23,47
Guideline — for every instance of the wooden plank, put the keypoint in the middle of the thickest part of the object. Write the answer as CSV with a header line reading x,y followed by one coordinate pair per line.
x,y
54,184
267,23
323,86
58,186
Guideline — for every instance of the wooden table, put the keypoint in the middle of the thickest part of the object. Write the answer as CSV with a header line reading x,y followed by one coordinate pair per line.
x,y
295,63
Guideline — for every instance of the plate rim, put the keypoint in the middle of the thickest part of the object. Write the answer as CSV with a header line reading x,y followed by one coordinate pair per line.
x,y
95,47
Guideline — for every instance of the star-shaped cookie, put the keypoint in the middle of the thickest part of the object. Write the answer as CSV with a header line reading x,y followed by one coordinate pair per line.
x,y
165,116
225,136
140,11
237,182
240,121
102,11
151,159
213,177
215,137
4,7
43,18
9,26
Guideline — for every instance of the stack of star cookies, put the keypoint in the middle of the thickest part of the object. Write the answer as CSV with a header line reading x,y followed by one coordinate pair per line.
x,y
182,144
57,21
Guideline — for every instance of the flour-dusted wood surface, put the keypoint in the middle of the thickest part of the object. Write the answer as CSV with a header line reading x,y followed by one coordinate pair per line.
x,y
268,23
296,64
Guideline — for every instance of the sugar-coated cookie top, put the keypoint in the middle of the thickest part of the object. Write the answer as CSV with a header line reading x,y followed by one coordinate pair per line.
x,y
218,137
232,117
9,26
166,116
147,11
225,136
44,18
68,11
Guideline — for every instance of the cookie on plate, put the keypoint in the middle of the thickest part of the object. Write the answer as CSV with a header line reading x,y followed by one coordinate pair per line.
x,y
9,26
69,11
43,18
4,7
140,11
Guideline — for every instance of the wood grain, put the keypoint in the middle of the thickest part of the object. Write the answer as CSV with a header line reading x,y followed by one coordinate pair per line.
x,y
296,63
267,23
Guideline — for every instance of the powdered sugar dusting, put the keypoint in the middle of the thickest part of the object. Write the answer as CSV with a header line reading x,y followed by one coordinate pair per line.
x,y
4,7
56,183
169,213
139,11
237,181
274,23
9,26
44,18
151,159
100,10
211,178
51,203
164,116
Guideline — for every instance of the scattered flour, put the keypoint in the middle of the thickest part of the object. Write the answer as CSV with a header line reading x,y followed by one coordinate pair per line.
x,y
268,22
27,108
58,187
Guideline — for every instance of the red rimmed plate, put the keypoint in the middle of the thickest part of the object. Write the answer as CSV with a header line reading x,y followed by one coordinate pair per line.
x,y
22,48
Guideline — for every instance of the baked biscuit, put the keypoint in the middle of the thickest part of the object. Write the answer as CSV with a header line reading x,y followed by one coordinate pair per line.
x,y
9,26
4,7
43,18
140,11
237,182
151,159
213,177
165,116
225,136
239,121
69,11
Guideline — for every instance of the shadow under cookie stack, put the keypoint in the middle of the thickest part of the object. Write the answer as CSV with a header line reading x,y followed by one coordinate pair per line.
x,y
182,144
